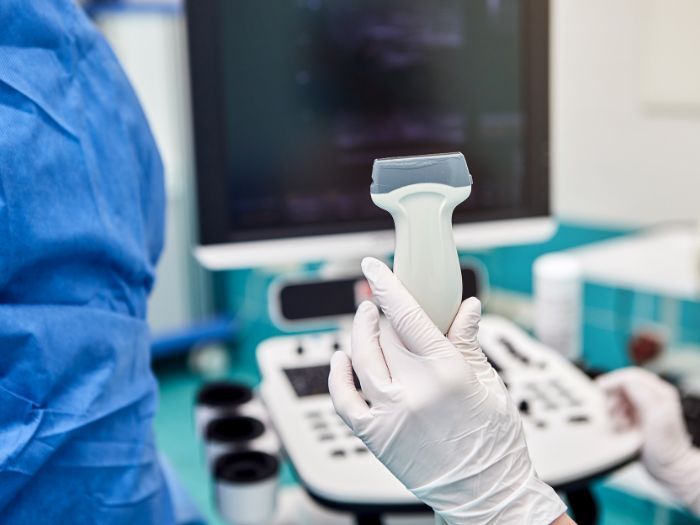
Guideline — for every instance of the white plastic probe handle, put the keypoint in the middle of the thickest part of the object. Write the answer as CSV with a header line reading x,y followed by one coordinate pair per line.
x,y
425,257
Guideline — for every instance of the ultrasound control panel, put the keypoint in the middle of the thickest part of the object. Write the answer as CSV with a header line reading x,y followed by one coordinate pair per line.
x,y
331,462
569,435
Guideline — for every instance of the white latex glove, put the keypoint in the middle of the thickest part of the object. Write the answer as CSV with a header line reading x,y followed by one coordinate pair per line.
x,y
440,417
640,398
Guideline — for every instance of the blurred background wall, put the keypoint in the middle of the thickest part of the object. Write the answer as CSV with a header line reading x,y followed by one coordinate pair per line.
x,y
625,110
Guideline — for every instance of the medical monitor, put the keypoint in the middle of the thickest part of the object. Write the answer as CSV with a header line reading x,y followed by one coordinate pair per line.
x,y
294,99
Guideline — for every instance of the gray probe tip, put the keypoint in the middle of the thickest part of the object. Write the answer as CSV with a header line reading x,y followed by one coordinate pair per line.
x,y
443,168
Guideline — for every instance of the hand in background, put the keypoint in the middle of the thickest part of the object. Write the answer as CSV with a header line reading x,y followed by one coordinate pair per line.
x,y
641,399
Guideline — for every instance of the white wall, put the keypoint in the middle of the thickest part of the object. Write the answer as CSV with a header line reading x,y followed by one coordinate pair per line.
x,y
620,156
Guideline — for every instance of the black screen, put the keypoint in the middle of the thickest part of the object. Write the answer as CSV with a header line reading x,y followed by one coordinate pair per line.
x,y
312,380
330,297
294,99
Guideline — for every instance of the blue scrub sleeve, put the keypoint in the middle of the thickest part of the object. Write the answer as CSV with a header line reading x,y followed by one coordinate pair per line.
x,y
81,229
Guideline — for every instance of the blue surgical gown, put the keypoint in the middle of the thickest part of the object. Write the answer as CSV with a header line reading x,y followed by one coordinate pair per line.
x,y
81,229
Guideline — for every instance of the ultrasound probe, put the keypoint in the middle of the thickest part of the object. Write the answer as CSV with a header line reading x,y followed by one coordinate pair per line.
x,y
421,193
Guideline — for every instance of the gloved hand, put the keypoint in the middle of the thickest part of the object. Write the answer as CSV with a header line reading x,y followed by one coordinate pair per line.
x,y
440,417
640,398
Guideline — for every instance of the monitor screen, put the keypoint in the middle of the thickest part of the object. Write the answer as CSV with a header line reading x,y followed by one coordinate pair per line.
x,y
294,99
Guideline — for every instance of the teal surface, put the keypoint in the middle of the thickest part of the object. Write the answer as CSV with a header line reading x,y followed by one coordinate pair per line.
x,y
610,315
690,322
510,268
176,437
619,508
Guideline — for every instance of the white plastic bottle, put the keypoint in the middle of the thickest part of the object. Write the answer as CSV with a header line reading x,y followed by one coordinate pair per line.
x,y
558,291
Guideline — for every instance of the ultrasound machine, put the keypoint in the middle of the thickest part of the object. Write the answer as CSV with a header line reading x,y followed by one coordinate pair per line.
x,y
292,102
